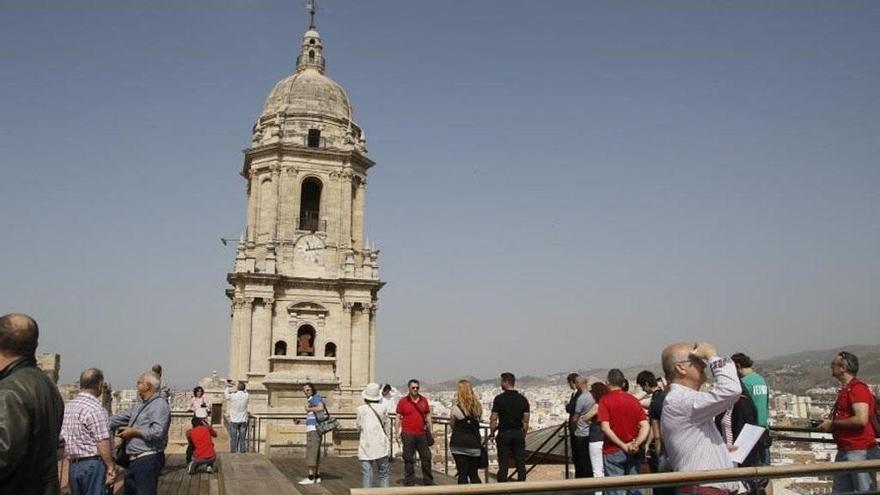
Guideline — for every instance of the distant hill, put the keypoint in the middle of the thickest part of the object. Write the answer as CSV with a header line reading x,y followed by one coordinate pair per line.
x,y
801,371
791,373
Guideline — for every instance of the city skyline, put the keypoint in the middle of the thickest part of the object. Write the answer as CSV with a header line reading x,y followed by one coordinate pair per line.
x,y
547,180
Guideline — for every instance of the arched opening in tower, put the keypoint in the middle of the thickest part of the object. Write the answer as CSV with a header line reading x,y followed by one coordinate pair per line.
x,y
280,348
305,341
310,205
330,350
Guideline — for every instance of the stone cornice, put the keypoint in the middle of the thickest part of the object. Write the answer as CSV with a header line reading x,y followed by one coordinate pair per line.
x,y
321,283
352,156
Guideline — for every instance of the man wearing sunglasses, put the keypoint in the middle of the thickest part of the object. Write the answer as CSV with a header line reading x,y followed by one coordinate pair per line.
x,y
850,425
413,430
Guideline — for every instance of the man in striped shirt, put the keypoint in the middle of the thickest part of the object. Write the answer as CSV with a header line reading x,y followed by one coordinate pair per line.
x,y
687,423
86,435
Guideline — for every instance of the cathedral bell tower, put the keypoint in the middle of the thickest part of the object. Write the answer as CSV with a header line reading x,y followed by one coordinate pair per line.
x,y
304,286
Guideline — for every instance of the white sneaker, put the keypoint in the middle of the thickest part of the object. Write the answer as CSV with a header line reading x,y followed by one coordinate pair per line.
x,y
306,481
209,469
318,479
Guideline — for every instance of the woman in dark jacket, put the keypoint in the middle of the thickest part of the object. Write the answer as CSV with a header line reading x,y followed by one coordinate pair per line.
x,y
731,422
466,443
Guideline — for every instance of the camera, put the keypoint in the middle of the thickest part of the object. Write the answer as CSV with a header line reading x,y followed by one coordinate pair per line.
x,y
815,423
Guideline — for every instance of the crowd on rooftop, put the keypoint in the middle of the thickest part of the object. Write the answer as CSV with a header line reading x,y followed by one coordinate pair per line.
x,y
684,422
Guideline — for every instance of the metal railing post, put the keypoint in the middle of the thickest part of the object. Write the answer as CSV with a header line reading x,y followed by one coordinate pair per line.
x,y
391,451
446,448
566,438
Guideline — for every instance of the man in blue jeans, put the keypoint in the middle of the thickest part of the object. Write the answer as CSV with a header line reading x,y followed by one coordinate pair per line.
x,y
625,426
144,428
850,424
86,437
238,416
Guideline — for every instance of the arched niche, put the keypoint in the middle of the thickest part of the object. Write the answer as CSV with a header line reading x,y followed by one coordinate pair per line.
x,y
305,340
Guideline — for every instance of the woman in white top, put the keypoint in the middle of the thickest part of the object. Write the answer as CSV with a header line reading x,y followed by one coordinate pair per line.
x,y
374,445
199,405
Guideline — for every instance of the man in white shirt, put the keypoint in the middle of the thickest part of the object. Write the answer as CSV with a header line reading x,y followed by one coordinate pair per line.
x,y
687,425
237,419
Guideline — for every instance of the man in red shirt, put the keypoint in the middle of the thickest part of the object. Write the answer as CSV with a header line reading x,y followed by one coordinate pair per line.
x,y
850,425
413,430
625,427
200,440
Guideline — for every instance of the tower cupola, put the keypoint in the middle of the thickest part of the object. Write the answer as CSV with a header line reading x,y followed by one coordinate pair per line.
x,y
311,55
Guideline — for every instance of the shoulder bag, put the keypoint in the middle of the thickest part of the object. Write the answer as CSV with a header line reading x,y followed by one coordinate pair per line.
x,y
121,458
429,435
326,423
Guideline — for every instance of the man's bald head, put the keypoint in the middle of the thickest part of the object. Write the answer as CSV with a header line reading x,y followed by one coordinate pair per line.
x,y
91,379
672,355
18,335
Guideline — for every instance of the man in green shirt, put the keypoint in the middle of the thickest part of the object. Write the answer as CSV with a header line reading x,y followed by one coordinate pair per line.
x,y
754,385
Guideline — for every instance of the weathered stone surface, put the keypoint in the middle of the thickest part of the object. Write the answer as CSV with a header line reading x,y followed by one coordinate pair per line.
x,y
305,283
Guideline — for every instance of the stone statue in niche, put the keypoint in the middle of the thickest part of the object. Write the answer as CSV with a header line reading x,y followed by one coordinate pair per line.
x,y
305,345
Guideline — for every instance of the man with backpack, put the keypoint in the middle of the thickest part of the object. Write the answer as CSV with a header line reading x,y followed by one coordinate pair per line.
x,y
851,424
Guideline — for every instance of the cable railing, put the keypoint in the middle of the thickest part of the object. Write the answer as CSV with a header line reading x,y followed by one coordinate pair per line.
x,y
548,452
636,481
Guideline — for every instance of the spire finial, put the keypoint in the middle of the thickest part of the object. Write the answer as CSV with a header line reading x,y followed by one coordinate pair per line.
x,y
312,7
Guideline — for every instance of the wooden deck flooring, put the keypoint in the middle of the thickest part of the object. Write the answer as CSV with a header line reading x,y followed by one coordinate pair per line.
x,y
175,481
340,474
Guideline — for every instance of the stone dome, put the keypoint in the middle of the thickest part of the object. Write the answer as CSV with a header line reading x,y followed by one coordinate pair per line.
x,y
308,91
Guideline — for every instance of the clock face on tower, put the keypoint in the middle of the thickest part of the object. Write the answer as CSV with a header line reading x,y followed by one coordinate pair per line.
x,y
309,250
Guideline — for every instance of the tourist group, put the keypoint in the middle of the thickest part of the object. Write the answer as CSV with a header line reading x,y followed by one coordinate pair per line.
x,y
681,422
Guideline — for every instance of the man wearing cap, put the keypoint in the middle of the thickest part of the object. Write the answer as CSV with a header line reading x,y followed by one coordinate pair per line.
x,y
374,445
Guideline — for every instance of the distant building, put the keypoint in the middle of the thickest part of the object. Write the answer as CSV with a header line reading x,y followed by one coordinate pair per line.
x,y
51,364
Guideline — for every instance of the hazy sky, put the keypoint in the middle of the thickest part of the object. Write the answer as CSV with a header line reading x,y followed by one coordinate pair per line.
x,y
560,184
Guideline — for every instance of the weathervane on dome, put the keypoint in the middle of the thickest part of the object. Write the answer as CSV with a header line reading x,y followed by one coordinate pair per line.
x,y
312,7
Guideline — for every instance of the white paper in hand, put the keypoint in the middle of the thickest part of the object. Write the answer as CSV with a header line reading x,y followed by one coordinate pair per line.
x,y
745,442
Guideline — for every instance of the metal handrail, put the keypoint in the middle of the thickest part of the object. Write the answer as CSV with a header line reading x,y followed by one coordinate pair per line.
x,y
632,481
555,434
255,426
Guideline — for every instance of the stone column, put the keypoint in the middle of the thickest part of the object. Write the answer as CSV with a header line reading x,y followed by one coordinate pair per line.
x,y
372,357
252,208
360,347
357,228
345,215
276,181
287,210
343,346
261,336
235,340
246,320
